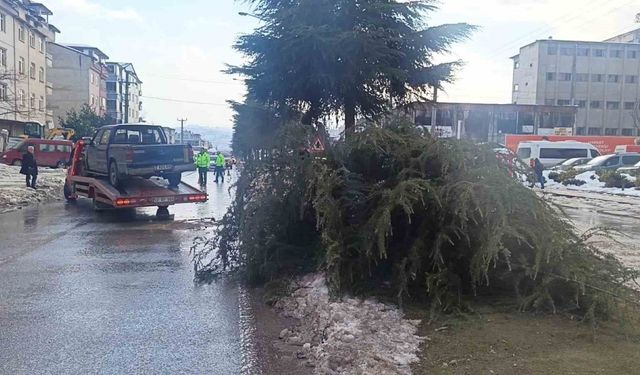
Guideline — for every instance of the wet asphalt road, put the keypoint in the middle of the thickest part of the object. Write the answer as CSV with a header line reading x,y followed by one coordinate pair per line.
x,y
86,293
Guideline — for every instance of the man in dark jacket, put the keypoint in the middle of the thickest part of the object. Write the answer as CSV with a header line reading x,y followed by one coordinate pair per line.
x,y
30,167
538,168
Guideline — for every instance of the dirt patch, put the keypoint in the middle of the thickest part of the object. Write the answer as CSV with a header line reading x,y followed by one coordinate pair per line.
x,y
519,343
274,354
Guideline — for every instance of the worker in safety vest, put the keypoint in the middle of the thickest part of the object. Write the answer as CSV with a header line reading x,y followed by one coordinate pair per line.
x,y
203,161
220,166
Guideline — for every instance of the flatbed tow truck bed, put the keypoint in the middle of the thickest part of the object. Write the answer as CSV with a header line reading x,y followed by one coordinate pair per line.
x,y
136,192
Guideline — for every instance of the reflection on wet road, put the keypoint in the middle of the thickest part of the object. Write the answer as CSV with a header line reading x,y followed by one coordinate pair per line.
x,y
82,292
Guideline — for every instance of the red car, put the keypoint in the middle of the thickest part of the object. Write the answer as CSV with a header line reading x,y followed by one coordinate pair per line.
x,y
47,153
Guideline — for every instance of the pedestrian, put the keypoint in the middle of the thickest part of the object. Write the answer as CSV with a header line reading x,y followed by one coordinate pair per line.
x,y
538,168
220,166
203,161
30,167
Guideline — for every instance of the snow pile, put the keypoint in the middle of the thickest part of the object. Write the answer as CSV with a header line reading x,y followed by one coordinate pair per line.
x,y
351,336
14,193
593,184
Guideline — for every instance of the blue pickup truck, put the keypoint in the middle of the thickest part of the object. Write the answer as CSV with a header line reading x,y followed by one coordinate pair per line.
x,y
127,150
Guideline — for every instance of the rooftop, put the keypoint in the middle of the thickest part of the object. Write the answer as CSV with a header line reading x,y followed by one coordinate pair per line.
x,y
84,47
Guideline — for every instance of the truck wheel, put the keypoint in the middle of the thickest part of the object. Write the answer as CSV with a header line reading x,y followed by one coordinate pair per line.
x,y
174,179
114,176
68,193
61,164
17,163
99,206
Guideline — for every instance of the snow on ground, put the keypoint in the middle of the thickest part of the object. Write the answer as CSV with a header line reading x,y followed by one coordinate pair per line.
x,y
593,184
13,191
351,335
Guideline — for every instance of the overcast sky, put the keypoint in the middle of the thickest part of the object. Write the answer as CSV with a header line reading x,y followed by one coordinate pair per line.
x,y
179,47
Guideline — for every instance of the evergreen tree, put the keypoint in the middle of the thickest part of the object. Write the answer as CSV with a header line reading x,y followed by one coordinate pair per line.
x,y
350,57
84,122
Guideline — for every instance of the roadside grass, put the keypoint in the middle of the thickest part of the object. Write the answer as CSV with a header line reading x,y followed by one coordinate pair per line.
x,y
497,340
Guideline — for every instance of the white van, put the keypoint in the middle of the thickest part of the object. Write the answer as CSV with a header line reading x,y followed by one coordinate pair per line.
x,y
553,153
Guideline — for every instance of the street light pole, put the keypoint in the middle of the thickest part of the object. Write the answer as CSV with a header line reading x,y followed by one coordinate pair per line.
x,y
182,121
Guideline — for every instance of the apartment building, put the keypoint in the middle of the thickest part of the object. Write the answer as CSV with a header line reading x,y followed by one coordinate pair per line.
x,y
601,79
79,78
24,89
124,89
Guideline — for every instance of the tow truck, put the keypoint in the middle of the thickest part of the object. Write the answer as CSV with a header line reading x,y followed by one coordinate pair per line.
x,y
137,192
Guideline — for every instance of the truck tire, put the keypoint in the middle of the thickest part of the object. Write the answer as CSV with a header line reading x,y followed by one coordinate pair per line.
x,y
174,179
114,176
99,206
61,164
68,193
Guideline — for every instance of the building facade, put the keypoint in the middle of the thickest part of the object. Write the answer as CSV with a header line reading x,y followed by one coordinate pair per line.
x,y
601,79
24,61
79,78
124,89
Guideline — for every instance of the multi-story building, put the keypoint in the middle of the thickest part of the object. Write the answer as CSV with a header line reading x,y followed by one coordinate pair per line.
x,y
602,79
79,77
124,89
24,89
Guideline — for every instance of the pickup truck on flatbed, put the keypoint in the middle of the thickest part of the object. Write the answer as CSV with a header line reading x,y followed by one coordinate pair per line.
x,y
136,150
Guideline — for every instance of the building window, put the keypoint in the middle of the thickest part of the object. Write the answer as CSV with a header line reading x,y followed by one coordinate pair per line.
x,y
41,104
627,132
610,131
583,52
564,51
32,71
3,57
32,102
594,131
93,101
3,92
516,64
3,22
615,53
597,77
41,44
598,52
595,104
21,98
516,87
21,65
564,77
41,74
631,79
629,106
564,102
581,131
21,33
551,76
552,50
32,40
582,77
613,105
632,54
93,78
582,104
549,102
613,78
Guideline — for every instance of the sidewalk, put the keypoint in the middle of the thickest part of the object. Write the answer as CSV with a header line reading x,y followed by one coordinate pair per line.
x,y
608,197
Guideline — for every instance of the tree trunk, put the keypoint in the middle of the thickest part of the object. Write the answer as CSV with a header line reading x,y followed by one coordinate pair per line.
x,y
349,117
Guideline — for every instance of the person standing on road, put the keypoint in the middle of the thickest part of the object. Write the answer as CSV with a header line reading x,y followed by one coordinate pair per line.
x,y
220,166
30,167
538,168
203,161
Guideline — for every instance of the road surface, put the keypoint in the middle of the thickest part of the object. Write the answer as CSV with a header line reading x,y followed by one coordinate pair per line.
x,y
85,293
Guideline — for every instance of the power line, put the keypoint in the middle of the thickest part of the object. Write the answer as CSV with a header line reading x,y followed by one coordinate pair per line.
x,y
184,101
176,78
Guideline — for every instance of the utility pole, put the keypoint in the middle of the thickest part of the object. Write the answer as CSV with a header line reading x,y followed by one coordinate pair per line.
x,y
182,121
126,97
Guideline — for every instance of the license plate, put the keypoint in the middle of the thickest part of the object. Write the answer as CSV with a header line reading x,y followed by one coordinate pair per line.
x,y
164,200
164,167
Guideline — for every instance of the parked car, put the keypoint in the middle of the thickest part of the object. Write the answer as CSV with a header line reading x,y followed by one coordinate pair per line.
x,y
48,153
122,151
571,163
633,170
554,153
610,162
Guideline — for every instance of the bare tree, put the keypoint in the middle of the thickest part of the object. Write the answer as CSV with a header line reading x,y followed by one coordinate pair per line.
x,y
12,100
